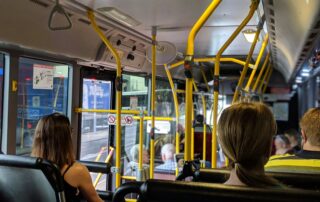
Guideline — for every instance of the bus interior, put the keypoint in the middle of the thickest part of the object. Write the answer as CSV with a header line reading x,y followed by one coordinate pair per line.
x,y
101,62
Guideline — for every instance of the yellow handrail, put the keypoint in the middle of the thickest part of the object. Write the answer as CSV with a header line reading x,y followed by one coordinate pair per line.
x,y
176,108
264,78
253,7
106,161
123,111
245,67
189,54
196,27
267,81
222,59
263,47
261,72
140,169
118,94
204,78
153,100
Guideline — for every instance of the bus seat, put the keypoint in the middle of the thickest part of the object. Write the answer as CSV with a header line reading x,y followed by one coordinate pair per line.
x,y
167,191
164,174
296,180
125,189
198,144
29,179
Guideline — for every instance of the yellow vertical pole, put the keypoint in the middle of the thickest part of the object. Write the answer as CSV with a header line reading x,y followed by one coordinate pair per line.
x,y
264,78
118,95
261,72
188,61
204,109
204,78
153,100
246,65
253,7
193,122
204,143
176,108
263,47
140,168
267,81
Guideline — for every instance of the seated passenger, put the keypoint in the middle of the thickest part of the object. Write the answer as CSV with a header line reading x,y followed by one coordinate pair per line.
x,y
167,155
294,138
307,160
132,167
282,145
245,133
52,141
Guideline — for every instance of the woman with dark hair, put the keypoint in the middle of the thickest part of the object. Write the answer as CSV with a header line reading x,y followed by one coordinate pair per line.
x,y
246,133
52,141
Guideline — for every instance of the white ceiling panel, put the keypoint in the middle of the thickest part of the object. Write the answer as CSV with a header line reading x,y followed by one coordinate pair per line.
x,y
174,19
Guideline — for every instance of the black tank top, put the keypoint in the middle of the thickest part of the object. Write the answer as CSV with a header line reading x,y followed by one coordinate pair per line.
x,y
72,194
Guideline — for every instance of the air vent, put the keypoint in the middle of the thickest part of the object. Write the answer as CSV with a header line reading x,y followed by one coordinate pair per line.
x,y
271,12
272,20
271,2
40,3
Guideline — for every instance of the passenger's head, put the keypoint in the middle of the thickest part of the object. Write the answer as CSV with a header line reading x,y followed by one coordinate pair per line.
x,y
167,152
134,153
282,144
293,136
52,139
310,127
246,132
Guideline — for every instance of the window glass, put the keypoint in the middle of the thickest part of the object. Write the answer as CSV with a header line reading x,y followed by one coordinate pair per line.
x,y
42,90
135,92
165,129
134,97
1,89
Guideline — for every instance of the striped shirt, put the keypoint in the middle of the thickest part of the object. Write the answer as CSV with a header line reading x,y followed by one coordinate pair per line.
x,y
302,162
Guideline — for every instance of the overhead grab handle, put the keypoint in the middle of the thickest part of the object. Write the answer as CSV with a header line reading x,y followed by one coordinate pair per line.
x,y
58,9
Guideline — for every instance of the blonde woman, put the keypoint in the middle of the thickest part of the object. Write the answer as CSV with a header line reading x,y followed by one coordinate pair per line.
x,y
245,134
52,141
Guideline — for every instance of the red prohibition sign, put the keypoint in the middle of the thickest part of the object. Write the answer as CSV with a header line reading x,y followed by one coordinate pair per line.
x,y
111,119
129,120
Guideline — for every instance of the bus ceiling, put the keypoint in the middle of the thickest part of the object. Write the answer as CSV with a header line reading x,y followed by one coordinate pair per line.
x,y
293,27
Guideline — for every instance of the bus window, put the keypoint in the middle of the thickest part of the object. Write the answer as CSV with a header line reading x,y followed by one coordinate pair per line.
x,y
135,92
42,90
96,94
135,97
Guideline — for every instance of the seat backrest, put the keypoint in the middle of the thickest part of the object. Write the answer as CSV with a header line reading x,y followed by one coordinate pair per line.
x,y
296,180
29,179
198,143
167,191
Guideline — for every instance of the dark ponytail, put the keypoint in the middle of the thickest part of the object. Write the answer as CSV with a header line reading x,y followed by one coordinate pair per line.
x,y
253,178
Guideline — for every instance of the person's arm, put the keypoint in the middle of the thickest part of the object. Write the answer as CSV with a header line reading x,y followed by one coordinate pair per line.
x,y
85,185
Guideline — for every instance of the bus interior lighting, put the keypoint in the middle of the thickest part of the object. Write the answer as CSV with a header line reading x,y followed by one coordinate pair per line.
x,y
119,16
249,34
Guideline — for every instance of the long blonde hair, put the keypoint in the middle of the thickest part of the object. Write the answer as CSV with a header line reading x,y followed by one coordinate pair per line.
x,y
245,132
52,140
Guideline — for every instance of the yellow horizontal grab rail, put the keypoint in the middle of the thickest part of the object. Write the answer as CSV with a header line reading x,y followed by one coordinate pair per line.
x,y
224,59
128,177
157,118
80,110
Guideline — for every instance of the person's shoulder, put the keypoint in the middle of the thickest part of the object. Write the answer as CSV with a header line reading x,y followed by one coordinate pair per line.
x,y
77,169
